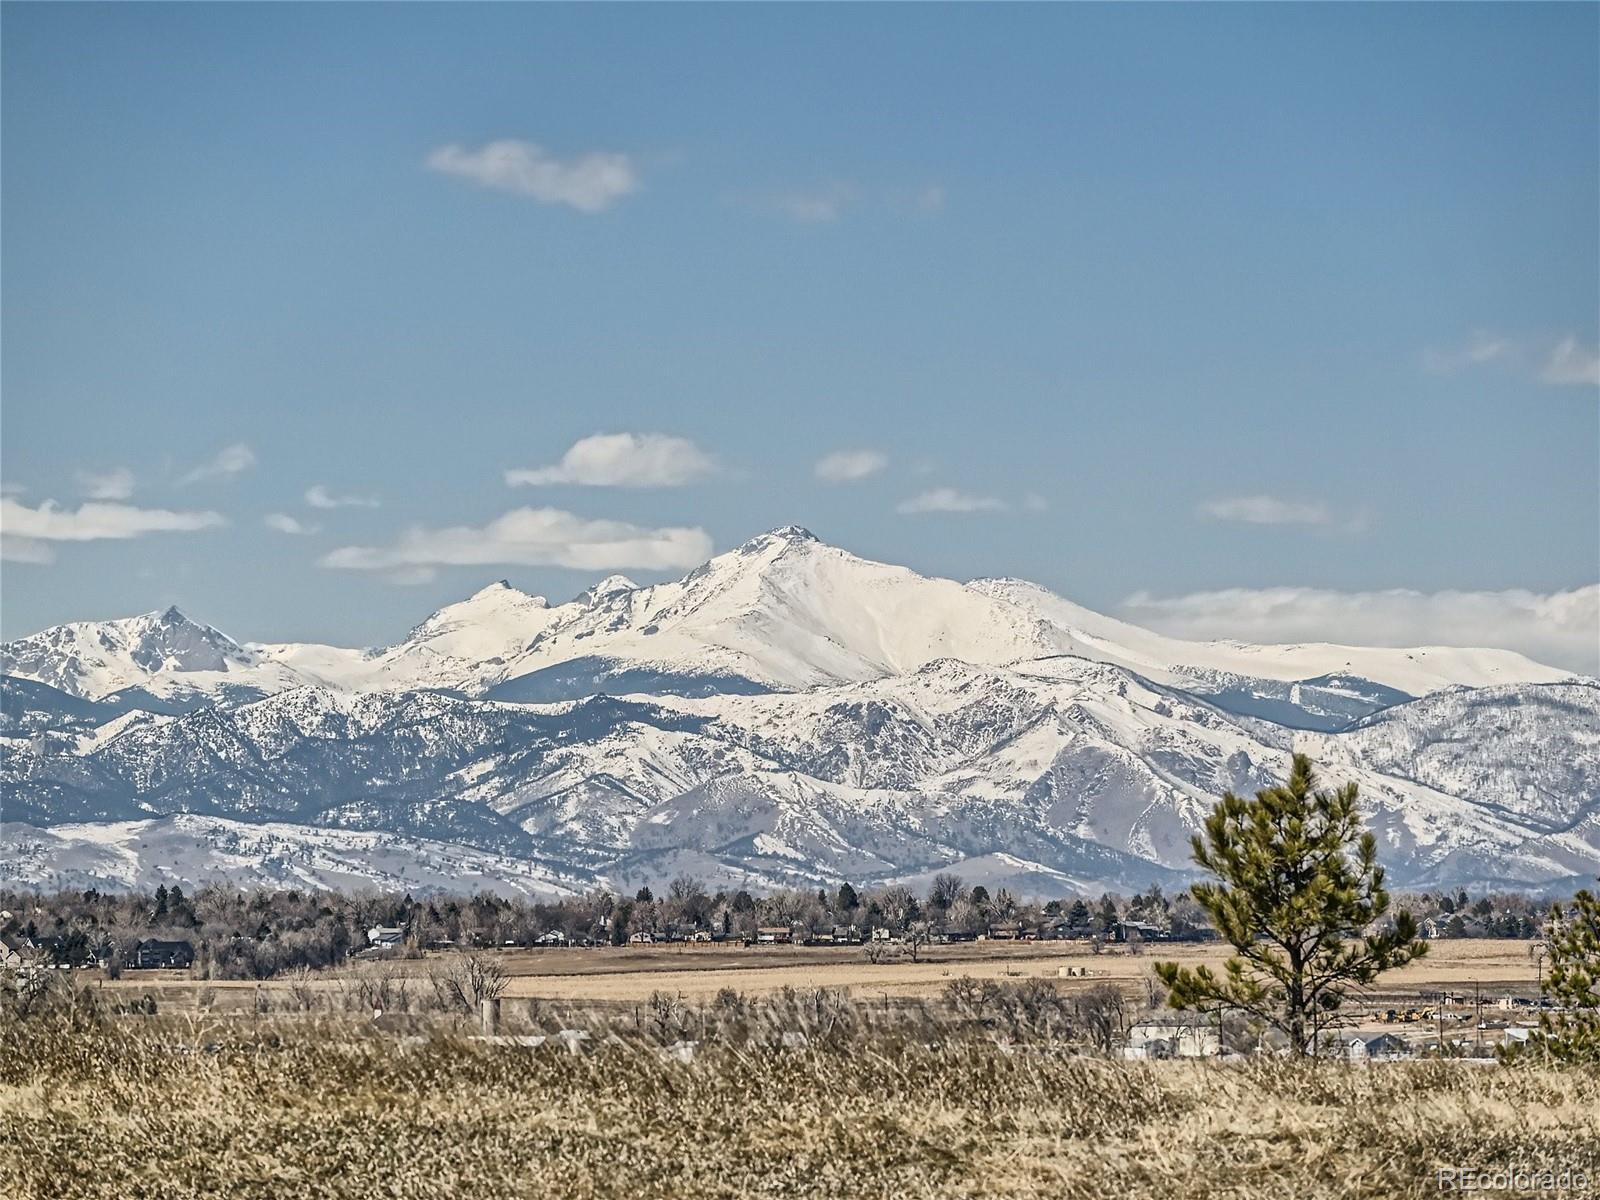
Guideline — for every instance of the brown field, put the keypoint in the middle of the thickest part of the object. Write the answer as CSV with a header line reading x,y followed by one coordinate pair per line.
x,y
291,1088
185,1107
698,972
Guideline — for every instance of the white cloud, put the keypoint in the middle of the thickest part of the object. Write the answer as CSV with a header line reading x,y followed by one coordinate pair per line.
x,y
829,201
1266,510
1570,363
816,205
1482,347
230,460
96,521
318,496
1560,628
24,550
846,466
535,537
949,500
622,460
589,183
115,484
284,523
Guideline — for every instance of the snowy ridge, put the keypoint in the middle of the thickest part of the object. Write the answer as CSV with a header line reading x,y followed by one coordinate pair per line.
x,y
783,612
1081,769
793,714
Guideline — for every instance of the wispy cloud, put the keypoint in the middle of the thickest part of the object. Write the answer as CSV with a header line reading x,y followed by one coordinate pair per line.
x,y
635,460
1482,347
229,461
812,206
24,550
833,199
1266,510
319,496
1564,363
1572,363
114,484
284,523
27,531
1557,627
589,183
529,537
847,466
949,500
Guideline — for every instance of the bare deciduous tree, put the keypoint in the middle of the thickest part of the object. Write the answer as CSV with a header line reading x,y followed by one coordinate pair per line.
x,y
465,981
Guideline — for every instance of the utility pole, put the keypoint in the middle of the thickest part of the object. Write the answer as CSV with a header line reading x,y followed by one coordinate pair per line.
x,y
1477,1003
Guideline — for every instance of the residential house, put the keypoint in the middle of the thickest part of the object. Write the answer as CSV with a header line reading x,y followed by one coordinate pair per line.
x,y
386,937
1386,1047
1137,931
774,935
1174,1038
17,951
156,954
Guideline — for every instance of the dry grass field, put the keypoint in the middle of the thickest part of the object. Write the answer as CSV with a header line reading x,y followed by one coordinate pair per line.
x,y
698,972
179,1109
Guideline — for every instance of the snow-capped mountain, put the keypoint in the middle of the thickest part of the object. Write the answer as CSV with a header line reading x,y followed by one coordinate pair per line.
x,y
794,714
459,647
783,612
1074,770
166,657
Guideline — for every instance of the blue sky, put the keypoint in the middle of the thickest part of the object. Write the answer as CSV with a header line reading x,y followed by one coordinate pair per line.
x,y
1170,309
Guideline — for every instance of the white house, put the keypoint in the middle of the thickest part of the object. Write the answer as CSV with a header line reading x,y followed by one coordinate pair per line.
x,y
1172,1039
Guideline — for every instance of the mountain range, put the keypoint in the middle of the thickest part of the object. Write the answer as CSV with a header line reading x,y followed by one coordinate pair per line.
x,y
787,713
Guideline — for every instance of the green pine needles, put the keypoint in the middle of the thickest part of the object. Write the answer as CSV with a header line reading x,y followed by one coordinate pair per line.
x,y
1300,899
1572,1032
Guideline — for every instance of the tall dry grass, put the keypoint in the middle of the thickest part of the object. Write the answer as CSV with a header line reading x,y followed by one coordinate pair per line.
x,y
132,1107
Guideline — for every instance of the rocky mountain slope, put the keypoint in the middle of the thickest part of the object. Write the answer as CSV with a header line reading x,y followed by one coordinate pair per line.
x,y
798,715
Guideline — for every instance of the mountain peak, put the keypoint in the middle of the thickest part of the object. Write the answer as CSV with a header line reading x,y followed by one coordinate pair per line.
x,y
784,535
500,588
611,585
794,533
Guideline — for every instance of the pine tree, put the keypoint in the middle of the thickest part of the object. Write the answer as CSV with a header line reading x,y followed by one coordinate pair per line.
x,y
1300,889
1572,1032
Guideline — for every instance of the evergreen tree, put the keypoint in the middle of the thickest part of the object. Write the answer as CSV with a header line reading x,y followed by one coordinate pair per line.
x,y
1300,888
1572,1032
620,918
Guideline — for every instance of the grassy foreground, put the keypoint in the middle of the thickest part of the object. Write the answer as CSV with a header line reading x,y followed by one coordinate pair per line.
x,y
127,1110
